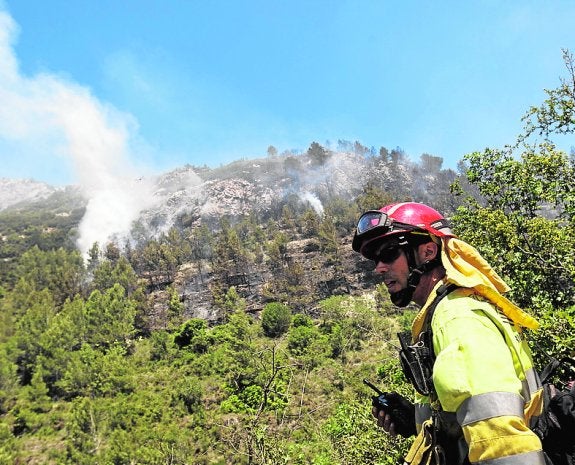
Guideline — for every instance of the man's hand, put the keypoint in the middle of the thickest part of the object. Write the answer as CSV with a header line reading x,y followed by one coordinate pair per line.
x,y
384,420
395,414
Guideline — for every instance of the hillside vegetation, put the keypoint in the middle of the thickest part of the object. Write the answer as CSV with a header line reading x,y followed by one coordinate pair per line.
x,y
244,339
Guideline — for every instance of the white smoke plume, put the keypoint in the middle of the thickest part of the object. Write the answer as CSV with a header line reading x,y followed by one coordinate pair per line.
x,y
313,200
63,119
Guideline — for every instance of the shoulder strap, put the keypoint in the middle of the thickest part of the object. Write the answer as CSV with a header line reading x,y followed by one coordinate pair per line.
x,y
441,292
427,333
417,357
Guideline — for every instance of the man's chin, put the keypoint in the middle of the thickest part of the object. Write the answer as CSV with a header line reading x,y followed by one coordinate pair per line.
x,y
401,298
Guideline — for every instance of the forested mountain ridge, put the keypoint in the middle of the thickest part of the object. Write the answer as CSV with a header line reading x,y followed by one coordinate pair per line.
x,y
262,196
260,184
213,336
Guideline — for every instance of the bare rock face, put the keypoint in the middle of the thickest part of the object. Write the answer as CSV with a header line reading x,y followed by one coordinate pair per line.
x,y
15,191
247,186
235,196
314,278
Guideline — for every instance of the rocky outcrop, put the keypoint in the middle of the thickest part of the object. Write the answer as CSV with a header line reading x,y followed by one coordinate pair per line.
x,y
20,191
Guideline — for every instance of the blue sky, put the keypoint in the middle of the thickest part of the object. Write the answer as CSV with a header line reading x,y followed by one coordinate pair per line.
x,y
148,85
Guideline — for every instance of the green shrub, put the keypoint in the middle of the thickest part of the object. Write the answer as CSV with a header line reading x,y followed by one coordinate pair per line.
x,y
301,320
193,334
276,319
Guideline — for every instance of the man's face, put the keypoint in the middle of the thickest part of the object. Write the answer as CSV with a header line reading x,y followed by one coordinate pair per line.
x,y
391,264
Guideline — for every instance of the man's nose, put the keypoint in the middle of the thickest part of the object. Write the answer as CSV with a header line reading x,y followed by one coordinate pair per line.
x,y
381,267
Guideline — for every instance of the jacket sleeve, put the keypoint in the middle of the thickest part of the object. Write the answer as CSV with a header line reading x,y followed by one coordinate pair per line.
x,y
475,377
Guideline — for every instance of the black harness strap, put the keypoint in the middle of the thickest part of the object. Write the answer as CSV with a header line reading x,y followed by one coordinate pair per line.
x,y
426,333
417,358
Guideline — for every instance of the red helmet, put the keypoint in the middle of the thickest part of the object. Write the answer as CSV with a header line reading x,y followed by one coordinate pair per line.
x,y
401,221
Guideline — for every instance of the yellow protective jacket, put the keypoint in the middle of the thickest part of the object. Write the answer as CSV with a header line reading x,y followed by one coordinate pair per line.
x,y
483,374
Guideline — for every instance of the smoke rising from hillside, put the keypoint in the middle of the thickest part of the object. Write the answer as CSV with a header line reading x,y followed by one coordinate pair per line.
x,y
58,118
313,201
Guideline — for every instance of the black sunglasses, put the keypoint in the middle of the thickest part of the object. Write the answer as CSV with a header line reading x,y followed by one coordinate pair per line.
x,y
387,255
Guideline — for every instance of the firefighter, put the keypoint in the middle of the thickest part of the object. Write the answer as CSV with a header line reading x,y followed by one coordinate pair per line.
x,y
480,372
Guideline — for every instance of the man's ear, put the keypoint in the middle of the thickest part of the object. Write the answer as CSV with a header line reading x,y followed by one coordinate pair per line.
x,y
428,251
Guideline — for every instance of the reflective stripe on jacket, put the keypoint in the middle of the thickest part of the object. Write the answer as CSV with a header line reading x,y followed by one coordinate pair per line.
x,y
484,374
